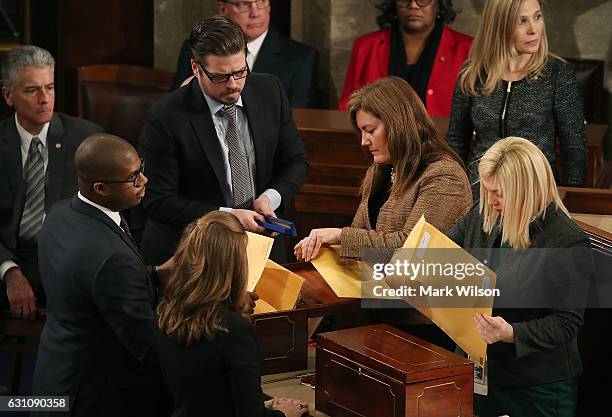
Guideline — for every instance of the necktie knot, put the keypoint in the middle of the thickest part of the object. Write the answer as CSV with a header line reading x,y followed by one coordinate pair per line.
x,y
35,144
229,111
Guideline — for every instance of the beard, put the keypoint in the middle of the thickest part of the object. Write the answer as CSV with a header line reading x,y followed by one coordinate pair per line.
x,y
226,98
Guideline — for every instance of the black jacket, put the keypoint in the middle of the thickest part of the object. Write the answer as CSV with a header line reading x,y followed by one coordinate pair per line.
x,y
219,377
97,343
295,64
545,348
65,134
538,110
184,163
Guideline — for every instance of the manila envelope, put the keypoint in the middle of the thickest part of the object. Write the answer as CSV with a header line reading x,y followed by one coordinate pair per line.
x,y
344,278
258,251
278,289
457,323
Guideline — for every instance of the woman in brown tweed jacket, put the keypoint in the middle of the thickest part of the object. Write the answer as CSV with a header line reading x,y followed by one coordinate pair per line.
x,y
414,173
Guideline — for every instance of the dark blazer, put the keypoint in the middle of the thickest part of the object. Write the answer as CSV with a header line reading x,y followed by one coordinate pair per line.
x,y
296,65
187,177
65,134
97,344
231,363
545,348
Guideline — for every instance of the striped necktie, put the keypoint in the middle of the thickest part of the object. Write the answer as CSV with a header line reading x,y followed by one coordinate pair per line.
x,y
242,186
34,207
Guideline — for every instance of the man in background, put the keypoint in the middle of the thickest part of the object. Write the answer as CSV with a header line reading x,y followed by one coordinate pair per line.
x,y
37,148
295,64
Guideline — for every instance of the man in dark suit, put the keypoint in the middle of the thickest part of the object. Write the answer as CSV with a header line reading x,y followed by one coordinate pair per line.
x,y
227,141
296,65
97,344
37,169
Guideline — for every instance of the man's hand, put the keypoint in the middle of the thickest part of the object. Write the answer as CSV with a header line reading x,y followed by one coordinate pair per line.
x,y
247,219
262,205
494,329
20,295
308,248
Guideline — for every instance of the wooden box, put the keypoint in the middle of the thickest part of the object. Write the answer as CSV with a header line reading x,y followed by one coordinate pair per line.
x,y
379,371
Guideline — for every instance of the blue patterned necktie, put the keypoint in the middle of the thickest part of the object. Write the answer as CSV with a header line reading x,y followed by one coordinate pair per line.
x,y
242,186
34,207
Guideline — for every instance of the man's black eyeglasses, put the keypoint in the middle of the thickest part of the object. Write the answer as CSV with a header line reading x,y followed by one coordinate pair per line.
x,y
223,78
134,180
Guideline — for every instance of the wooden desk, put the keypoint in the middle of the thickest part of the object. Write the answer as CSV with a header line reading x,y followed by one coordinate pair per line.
x,y
283,335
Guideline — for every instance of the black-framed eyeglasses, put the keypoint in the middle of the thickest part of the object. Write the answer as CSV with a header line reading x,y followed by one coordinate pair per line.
x,y
245,5
223,78
134,180
404,4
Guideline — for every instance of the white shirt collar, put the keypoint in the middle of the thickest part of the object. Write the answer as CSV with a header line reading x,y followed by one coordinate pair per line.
x,y
253,47
215,106
26,137
114,215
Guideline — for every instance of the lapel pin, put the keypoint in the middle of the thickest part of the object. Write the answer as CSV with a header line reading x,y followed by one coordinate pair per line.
x,y
58,145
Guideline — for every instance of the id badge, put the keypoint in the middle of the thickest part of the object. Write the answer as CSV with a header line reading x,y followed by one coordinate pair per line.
x,y
480,378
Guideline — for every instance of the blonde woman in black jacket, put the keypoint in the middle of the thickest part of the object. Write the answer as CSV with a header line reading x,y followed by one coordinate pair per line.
x,y
543,263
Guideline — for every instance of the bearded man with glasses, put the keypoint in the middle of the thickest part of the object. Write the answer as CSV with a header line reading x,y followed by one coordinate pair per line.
x,y
225,141
294,63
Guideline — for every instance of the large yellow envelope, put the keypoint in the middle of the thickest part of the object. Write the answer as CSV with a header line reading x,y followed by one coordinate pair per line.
x,y
278,289
457,323
258,251
343,278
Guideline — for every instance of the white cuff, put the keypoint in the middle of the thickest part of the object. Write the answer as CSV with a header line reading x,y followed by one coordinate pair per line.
x,y
5,266
274,197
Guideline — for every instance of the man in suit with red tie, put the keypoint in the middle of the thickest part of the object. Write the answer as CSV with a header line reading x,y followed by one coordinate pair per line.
x,y
37,147
97,344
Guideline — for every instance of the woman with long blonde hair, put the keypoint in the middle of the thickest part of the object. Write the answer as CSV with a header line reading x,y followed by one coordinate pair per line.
x,y
207,346
532,358
512,85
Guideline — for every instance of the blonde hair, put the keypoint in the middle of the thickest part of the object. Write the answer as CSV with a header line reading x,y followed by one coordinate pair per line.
x,y
493,49
210,274
523,175
412,138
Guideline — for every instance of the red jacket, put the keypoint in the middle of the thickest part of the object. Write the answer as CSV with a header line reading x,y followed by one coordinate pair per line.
x,y
370,62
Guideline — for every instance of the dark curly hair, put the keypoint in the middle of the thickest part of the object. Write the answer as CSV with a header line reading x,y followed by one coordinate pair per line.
x,y
388,15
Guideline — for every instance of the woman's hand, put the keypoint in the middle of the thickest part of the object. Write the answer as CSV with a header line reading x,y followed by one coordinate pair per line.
x,y
289,407
308,248
494,329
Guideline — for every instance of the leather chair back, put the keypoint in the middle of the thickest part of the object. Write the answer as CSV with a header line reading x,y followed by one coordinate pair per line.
x,y
117,96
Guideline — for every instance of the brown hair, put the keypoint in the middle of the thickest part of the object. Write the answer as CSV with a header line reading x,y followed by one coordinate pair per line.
x,y
216,35
413,140
210,274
